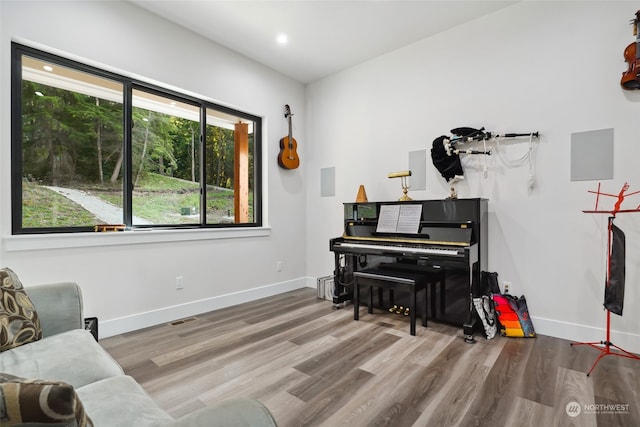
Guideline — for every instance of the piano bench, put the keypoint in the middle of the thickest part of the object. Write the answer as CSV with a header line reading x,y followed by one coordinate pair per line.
x,y
434,276
387,278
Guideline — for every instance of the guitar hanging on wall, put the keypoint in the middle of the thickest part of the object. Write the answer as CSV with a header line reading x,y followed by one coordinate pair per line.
x,y
288,157
631,78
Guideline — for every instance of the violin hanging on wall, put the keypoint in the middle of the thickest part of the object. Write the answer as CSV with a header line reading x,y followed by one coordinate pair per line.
x,y
288,157
631,78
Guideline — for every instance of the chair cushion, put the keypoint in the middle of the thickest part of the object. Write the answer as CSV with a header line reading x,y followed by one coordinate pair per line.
x,y
19,323
38,402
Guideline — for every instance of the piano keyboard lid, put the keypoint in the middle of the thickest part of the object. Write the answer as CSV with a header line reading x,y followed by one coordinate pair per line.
x,y
453,234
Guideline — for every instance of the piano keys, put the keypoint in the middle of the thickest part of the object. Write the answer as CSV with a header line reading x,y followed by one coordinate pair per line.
x,y
406,250
452,235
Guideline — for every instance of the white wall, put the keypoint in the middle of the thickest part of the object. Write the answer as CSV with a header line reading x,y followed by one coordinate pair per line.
x,y
128,279
552,67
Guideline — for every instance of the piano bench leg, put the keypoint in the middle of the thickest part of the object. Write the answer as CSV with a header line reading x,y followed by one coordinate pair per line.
x,y
356,300
439,279
370,305
433,299
412,311
413,304
442,295
424,308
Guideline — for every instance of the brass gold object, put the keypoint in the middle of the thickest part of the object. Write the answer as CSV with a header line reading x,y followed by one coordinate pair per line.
x,y
403,181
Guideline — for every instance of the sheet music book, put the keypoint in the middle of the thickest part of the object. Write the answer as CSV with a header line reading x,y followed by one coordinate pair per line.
x,y
400,218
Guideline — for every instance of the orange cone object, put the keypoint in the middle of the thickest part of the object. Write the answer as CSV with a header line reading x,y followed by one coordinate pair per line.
x,y
362,195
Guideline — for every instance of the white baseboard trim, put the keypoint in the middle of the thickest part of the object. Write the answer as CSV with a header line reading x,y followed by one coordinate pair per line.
x,y
312,282
134,322
582,333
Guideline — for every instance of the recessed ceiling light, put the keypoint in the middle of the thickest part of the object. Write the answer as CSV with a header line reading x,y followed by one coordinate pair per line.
x,y
282,38
48,68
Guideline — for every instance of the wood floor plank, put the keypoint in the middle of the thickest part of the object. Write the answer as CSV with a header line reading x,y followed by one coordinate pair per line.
x,y
315,366
366,405
529,413
333,394
265,370
450,405
427,381
203,351
573,388
236,371
352,353
186,407
612,392
396,414
416,350
464,375
284,407
203,377
541,368
322,326
430,383
500,386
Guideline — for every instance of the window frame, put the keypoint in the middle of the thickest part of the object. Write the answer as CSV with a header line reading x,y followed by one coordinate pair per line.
x,y
128,87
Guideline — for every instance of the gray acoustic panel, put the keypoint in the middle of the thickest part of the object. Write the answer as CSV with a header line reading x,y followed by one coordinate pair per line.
x,y
418,168
327,182
592,155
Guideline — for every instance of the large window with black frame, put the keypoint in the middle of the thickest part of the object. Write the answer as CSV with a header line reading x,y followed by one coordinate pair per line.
x,y
93,149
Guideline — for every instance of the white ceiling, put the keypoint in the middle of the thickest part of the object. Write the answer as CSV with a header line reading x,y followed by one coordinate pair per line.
x,y
324,36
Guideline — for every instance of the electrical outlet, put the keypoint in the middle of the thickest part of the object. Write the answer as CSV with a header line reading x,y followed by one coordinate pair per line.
x,y
506,286
179,282
279,266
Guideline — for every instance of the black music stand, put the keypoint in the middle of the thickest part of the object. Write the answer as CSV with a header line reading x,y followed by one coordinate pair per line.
x,y
605,346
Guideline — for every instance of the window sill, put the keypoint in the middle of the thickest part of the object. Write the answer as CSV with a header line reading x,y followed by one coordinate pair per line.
x,y
81,240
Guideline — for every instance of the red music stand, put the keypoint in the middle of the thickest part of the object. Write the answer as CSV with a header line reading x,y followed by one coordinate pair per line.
x,y
605,346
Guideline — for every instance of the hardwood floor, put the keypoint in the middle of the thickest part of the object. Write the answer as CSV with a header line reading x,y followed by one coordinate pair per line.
x,y
314,366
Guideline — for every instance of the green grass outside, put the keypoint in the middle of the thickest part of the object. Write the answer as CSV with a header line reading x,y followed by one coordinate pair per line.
x,y
42,207
157,198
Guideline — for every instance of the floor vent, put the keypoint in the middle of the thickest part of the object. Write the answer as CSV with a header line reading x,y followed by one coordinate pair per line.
x,y
181,321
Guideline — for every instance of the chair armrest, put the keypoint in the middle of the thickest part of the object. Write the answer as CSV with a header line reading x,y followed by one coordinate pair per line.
x,y
59,307
236,412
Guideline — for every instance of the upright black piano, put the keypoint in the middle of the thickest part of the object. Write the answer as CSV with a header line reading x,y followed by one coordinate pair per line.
x,y
451,235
